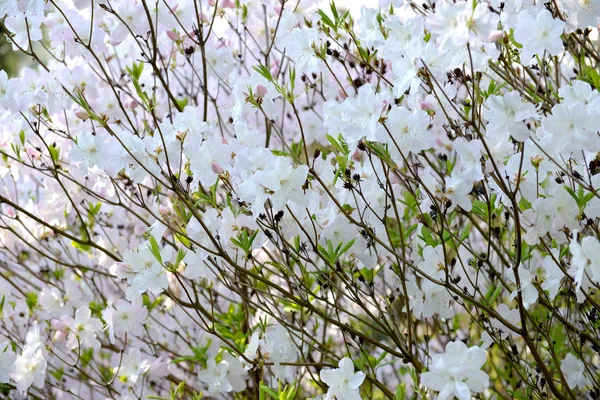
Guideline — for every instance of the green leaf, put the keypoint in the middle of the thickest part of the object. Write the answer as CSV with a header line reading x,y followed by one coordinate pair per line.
x,y
400,392
264,71
155,249
180,256
326,20
265,390
31,299
346,247
492,294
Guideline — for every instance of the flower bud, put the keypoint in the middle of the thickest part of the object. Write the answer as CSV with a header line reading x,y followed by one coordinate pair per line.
x,y
59,325
82,114
132,104
172,35
261,91
427,105
60,336
216,168
495,36
33,153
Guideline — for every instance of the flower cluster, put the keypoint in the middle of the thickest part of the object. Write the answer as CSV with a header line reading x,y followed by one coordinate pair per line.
x,y
273,199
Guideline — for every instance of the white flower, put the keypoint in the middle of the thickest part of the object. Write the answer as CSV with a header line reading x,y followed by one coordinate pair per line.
x,y
30,369
574,371
408,130
538,34
279,347
457,372
506,115
24,28
142,271
469,153
215,376
251,352
132,366
7,6
236,373
586,257
509,315
572,129
448,23
528,290
582,13
7,361
82,329
356,117
299,47
51,302
433,299
553,274
89,150
343,382
433,261
126,317
286,183
458,188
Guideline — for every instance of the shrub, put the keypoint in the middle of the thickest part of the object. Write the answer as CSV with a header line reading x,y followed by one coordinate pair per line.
x,y
256,200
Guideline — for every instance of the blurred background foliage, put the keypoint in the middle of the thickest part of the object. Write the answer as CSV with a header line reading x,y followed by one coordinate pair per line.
x,y
10,61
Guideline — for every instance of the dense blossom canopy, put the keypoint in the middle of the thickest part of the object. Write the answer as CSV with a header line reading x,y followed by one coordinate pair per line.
x,y
253,199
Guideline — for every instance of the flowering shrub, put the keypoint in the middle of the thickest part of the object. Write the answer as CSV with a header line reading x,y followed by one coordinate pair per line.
x,y
277,199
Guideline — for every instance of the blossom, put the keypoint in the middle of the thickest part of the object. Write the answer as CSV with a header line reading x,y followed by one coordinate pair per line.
x,y
506,115
581,13
30,369
142,271
433,261
509,315
448,23
278,346
572,129
7,6
215,377
553,274
528,290
285,182
538,34
82,329
574,372
251,352
457,372
408,130
132,366
342,382
469,153
357,117
433,299
458,188
89,149
7,361
124,318
51,302
586,258
25,28
299,47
